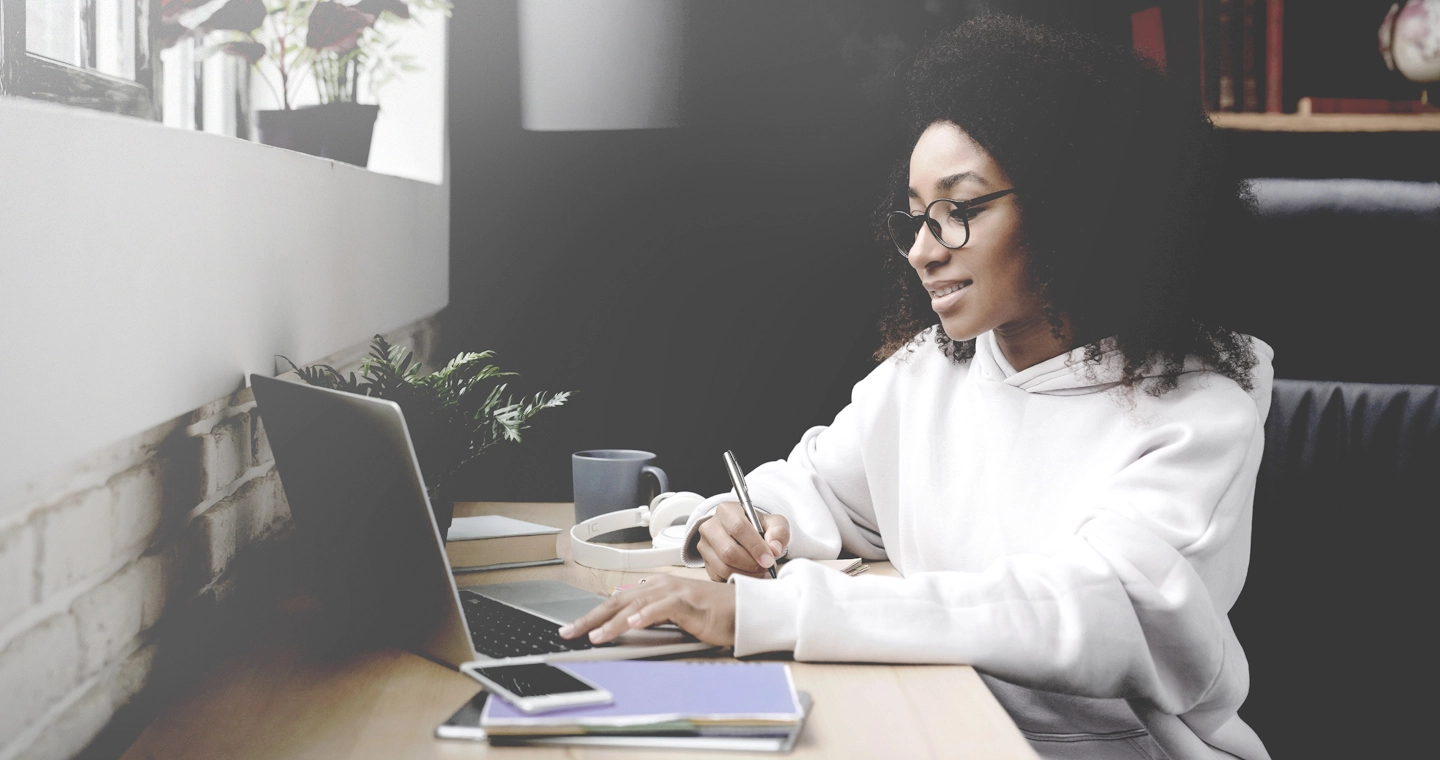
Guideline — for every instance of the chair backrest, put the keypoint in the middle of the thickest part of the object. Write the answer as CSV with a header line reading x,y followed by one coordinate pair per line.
x,y
1342,277
1334,611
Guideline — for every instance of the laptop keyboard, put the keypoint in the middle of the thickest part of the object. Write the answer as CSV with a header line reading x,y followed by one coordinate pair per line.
x,y
500,630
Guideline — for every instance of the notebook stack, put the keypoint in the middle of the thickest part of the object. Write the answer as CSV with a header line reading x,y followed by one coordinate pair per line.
x,y
494,542
679,705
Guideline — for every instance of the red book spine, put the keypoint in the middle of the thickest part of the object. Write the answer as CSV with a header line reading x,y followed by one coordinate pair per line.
x,y
1361,105
1209,53
1200,24
1147,33
1224,32
1249,84
1274,53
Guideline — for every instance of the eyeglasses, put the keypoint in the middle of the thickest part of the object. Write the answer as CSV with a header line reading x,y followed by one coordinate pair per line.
x,y
947,218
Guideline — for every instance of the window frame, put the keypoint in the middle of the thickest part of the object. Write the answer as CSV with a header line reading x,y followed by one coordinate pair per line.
x,y
27,75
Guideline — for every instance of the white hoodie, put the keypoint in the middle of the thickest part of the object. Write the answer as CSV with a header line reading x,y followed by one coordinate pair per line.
x,y
1079,546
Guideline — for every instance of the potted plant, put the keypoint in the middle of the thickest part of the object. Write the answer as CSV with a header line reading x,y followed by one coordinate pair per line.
x,y
291,44
453,414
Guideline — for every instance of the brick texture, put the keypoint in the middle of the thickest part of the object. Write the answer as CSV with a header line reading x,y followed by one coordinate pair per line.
x,y
138,508
212,537
225,453
261,508
108,618
182,471
133,674
75,540
108,651
238,521
75,726
167,573
260,445
18,549
37,669
282,504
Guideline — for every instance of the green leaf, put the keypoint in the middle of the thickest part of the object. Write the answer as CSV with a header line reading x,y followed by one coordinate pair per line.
x,y
455,414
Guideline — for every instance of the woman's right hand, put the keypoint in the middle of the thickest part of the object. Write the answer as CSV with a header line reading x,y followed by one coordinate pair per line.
x,y
730,544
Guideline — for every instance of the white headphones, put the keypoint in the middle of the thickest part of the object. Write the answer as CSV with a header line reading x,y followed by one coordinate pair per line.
x,y
665,516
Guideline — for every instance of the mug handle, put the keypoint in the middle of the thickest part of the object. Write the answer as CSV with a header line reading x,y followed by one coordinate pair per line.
x,y
659,475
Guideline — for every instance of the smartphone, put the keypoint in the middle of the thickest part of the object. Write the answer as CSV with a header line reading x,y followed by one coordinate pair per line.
x,y
537,687
465,723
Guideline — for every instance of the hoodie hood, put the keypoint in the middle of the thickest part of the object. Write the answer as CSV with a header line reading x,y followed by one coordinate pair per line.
x,y
1071,374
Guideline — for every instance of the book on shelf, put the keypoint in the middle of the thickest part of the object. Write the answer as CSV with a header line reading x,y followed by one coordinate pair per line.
x,y
1274,54
1249,82
1207,61
1310,105
494,542
1240,53
1147,34
1225,53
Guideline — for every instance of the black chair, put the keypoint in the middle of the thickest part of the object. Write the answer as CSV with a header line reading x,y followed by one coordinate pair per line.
x,y
1334,615
1339,276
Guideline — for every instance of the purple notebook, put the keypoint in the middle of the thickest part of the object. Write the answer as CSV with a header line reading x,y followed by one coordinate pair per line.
x,y
652,692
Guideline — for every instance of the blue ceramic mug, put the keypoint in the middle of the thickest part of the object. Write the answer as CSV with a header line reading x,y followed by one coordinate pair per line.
x,y
609,480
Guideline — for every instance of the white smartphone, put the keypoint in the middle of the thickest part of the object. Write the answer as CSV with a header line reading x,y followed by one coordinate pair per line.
x,y
537,687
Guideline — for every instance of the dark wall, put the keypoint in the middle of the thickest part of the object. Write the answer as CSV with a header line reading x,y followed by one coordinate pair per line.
x,y
717,286
702,288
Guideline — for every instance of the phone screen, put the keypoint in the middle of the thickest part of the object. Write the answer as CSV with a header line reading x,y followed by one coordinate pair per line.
x,y
534,680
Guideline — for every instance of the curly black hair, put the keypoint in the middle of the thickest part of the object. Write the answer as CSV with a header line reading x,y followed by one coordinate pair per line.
x,y
1130,218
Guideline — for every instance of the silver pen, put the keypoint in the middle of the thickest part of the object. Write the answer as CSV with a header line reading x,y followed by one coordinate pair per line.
x,y
737,476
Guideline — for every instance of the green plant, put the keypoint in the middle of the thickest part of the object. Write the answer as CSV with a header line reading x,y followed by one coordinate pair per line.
x,y
287,42
453,414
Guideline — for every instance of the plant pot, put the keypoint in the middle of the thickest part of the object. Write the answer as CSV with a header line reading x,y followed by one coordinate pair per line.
x,y
339,131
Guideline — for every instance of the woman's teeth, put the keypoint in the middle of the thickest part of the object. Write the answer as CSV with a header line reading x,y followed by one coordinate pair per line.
x,y
947,291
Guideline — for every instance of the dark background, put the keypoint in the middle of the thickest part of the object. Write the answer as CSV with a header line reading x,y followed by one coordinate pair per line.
x,y
701,289
716,287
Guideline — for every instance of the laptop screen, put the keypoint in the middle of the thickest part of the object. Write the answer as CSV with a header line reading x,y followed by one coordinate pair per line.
x,y
372,551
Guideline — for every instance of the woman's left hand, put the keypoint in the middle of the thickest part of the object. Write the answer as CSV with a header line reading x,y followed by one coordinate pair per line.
x,y
704,609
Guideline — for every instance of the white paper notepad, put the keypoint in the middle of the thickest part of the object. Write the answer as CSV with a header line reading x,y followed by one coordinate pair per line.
x,y
494,526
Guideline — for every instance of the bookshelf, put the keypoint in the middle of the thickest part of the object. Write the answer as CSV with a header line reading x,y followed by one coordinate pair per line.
x,y
1265,55
1326,52
1327,122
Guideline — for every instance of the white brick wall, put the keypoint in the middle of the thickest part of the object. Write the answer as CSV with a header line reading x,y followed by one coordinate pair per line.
x,y
225,452
38,668
108,618
18,550
138,504
166,573
74,540
126,567
76,724
260,445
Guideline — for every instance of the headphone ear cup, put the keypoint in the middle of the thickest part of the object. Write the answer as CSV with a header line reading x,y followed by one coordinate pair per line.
x,y
672,537
668,509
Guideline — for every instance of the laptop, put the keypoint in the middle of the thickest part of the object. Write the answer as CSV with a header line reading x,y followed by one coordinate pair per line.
x,y
358,500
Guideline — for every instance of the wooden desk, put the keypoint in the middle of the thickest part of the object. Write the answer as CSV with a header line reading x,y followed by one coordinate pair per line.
x,y
274,701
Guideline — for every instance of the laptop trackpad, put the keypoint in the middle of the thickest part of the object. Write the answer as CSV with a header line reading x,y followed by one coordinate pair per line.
x,y
569,610
550,599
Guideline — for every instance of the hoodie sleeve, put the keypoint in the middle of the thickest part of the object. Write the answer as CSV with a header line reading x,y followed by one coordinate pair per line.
x,y
821,488
1132,605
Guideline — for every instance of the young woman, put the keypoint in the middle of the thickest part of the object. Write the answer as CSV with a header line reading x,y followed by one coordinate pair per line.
x,y
1059,451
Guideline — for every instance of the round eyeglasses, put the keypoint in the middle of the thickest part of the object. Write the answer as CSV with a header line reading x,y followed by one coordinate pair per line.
x,y
947,218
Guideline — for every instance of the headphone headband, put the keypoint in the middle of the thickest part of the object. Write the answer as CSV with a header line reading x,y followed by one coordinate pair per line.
x,y
661,517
